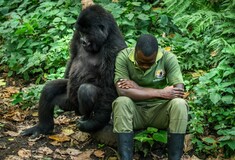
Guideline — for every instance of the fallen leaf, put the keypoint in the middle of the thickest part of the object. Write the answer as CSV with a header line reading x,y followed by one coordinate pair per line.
x,y
10,126
59,156
45,150
112,158
12,157
55,143
62,119
59,137
198,73
84,155
81,136
99,153
2,82
186,94
67,131
188,143
31,143
2,145
11,139
15,115
11,133
30,139
168,49
60,151
194,158
24,153
171,35
73,152
35,114
213,53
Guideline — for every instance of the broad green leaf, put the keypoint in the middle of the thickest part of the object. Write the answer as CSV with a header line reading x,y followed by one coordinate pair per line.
x,y
228,99
227,84
146,7
129,16
230,143
224,138
70,20
143,139
136,4
215,97
152,130
56,20
21,43
143,17
164,20
160,136
209,140
232,132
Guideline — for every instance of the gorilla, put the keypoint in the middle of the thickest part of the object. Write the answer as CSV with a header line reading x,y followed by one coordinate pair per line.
x,y
88,87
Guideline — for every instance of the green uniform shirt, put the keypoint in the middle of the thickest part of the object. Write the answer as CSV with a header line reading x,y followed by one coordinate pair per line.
x,y
165,72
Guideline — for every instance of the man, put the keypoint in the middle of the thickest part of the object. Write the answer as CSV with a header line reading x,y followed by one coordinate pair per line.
x,y
150,87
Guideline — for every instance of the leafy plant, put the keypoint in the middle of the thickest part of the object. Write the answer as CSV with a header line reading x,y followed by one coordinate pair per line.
x,y
138,17
145,139
27,97
213,108
35,36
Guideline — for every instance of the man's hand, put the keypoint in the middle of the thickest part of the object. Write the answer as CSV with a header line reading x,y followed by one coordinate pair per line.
x,y
126,84
171,92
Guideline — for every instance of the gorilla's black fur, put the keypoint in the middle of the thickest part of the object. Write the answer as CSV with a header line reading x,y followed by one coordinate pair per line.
x,y
88,86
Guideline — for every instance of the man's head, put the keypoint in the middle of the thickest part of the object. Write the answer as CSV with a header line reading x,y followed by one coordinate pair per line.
x,y
146,51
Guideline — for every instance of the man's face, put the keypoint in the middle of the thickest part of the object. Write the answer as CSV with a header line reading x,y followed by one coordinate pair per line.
x,y
143,61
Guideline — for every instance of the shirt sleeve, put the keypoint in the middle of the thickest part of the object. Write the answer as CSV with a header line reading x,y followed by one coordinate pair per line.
x,y
173,72
121,66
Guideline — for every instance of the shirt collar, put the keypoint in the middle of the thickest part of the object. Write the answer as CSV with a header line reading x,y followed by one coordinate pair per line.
x,y
132,55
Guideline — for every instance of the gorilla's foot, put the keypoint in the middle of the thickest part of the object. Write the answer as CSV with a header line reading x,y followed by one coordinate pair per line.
x,y
37,130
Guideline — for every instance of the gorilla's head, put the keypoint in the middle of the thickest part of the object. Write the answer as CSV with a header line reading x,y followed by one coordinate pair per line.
x,y
92,27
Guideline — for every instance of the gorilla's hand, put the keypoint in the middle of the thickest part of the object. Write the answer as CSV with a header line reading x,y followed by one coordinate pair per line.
x,y
37,130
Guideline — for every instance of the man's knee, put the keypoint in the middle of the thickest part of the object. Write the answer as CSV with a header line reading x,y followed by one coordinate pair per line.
x,y
122,104
179,105
122,101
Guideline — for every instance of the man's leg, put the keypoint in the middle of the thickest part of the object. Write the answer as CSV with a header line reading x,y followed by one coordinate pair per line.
x,y
124,111
178,113
173,115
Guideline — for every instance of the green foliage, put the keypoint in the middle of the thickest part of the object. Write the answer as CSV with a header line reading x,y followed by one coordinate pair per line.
x,y
213,107
145,139
27,97
35,36
206,44
138,17
206,28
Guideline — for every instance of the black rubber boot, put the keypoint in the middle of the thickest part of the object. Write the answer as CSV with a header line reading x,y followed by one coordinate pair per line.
x,y
175,146
125,145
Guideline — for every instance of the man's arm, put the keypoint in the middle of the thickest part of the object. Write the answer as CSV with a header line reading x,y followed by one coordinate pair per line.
x,y
134,91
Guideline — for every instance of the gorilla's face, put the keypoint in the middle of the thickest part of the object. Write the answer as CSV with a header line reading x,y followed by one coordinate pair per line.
x,y
92,36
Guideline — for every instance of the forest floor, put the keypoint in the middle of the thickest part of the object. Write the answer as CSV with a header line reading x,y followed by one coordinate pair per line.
x,y
66,142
